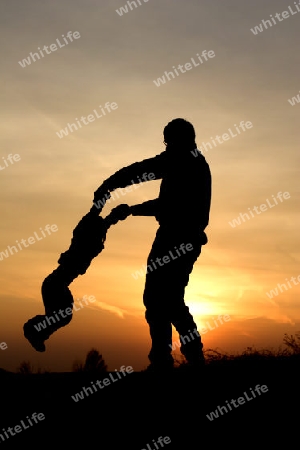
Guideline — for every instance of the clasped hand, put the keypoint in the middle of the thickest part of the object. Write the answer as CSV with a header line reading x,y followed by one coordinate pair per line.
x,y
120,212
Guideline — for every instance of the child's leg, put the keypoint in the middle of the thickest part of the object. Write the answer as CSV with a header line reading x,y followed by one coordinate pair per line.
x,y
58,303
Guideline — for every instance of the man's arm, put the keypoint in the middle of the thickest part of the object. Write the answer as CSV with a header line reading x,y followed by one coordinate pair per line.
x,y
139,172
149,208
121,212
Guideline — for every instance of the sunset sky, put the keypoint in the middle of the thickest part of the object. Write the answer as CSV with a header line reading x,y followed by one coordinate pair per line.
x,y
116,59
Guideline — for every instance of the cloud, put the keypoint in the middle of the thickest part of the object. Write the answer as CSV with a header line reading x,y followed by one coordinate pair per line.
x,y
113,309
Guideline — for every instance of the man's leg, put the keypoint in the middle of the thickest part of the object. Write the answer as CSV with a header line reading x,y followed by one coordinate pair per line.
x,y
161,335
181,318
157,311
164,298
159,322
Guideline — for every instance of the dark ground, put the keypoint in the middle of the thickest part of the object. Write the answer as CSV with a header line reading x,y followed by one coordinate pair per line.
x,y
140,407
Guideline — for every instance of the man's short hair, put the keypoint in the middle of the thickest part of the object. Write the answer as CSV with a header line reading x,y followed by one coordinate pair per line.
x,y
179,131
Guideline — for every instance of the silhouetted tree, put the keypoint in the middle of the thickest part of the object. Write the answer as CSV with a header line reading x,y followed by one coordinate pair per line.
x,y
94,362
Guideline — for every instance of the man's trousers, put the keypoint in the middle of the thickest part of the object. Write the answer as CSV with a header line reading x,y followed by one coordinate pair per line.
x,y
169,265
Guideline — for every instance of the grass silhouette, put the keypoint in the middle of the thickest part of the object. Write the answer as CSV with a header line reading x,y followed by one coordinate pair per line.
x,y
141,407
94,362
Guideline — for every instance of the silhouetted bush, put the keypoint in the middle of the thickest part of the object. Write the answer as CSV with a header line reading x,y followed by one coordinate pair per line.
x,y
94,363
25,368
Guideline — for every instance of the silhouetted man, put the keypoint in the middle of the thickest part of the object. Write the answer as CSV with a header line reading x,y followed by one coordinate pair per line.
x,y
182,210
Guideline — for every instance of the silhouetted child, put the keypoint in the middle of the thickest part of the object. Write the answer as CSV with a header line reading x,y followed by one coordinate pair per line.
x,y
87,242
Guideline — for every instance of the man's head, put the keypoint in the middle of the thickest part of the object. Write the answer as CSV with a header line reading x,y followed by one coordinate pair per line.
x,y
180,133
